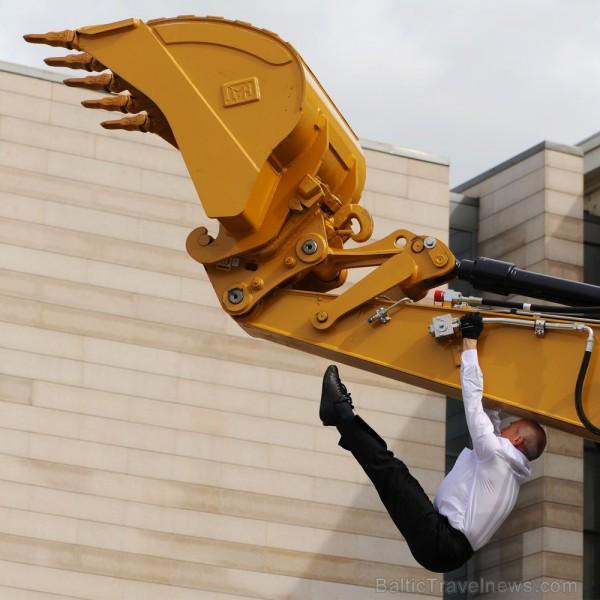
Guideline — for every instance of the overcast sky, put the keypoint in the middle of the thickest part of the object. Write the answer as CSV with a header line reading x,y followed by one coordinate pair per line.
x,y
475,81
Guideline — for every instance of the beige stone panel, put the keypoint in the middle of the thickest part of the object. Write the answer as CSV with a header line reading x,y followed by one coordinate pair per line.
x,y
397,399
12,593
337,466
559,269
512,193
71,451
137,569
100,223
28,86
155,233
135,383
16,389
564,161
198,289
37,525
90,170
559,442
430,192
99,247
85,401
44,136
564,204
526,256
21,208
131,357
508,175
491,226
404,428
386,162
531,541
131,152
339,518
71,115
34,340
560,516
34,366
99,197
552,564
428,171
24,106
405,214
549,588
27,158
134,357
71,484
564,251
514,238
20,288
561,541
135,280
566,182
567,228
539,489
385,182
420,452
63,94
336,544
47,581
170,186
559,466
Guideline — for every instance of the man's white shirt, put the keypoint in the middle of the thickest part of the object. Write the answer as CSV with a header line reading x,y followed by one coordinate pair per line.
x,y
481,489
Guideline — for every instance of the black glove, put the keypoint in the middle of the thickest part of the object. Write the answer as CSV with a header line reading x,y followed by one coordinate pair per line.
x,y
471,325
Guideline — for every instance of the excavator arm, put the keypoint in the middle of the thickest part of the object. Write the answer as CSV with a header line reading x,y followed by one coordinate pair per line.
x,y
277,167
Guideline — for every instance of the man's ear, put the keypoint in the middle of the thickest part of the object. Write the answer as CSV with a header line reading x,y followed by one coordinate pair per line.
x,y
518,441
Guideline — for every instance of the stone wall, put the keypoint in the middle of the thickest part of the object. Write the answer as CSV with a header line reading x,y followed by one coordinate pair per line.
x,y
149,449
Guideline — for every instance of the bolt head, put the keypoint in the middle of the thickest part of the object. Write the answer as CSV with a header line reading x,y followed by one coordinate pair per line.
x,y
235,295
310,247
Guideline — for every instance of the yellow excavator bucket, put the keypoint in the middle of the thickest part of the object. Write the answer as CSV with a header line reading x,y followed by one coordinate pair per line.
x,y
259,135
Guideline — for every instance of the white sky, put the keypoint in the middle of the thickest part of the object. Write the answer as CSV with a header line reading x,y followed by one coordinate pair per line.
x,y
475,81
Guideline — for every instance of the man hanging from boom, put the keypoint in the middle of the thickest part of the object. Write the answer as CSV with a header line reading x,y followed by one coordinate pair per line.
x,y
477,494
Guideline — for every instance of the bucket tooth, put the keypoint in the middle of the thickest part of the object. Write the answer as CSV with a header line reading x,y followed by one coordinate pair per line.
x,y
111,103
126,103
157,124
107,82
61,39
137,123
76,61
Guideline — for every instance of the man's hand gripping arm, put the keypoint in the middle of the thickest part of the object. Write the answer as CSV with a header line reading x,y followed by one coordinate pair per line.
x,y
482,424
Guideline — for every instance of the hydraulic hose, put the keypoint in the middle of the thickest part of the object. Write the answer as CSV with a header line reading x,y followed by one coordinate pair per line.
x,y
540,307
579,393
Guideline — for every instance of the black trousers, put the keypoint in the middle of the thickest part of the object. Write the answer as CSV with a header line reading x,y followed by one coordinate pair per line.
x,y
435,544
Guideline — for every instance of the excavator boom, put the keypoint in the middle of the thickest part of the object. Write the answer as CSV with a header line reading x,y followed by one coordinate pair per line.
x,y
279,170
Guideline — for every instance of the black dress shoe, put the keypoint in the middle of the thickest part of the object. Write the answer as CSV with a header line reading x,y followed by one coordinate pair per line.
x,y
336,403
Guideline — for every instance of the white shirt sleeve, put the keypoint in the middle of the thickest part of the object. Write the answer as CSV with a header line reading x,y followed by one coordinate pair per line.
x,y
494,416
481,427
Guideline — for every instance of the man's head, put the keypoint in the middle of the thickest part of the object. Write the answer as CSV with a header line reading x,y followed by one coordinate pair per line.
x,y
526,436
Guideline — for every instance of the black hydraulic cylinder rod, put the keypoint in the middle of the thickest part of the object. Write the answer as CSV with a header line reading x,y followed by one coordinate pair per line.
x,y
499,277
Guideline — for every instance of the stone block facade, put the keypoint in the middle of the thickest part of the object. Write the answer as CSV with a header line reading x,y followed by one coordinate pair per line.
x,y
149,448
